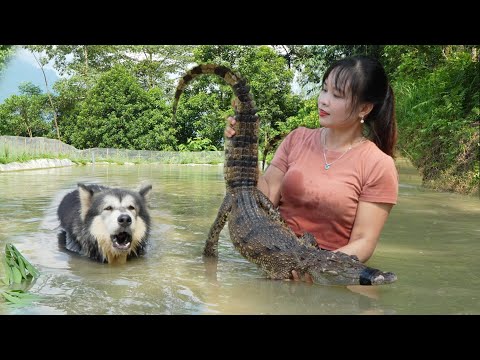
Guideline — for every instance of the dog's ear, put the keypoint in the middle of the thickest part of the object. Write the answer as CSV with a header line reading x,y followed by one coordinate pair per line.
x,y
145,189
85,193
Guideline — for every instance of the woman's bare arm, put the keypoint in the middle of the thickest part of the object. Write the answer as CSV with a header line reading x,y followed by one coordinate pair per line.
x,y
369,222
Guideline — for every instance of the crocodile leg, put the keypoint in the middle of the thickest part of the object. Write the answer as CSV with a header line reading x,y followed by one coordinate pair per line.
x,y
268,206
308,240
211,245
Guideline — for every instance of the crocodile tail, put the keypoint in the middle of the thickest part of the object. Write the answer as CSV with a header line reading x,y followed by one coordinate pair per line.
x,y
241,151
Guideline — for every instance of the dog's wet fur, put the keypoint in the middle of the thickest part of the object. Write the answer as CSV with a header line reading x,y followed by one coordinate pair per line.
x,y
106,224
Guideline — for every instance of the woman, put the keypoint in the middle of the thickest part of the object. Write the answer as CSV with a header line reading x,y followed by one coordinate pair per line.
x,y
339,181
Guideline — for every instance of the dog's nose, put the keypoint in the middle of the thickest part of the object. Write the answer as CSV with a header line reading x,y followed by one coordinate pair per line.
x,y
124,220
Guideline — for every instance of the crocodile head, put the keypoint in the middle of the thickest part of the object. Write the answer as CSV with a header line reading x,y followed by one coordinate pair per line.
x,y
343,269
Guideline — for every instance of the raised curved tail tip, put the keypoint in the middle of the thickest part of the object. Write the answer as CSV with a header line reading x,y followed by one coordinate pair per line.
x,y
231,78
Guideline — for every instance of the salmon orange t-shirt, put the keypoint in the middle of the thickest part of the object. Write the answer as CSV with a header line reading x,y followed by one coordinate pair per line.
x,y
324,202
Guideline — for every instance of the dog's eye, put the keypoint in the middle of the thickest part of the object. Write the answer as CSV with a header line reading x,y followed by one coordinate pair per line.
x,y
131,207
108,208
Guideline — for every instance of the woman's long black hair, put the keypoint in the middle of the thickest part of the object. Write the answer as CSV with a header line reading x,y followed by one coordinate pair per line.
x,y
368,83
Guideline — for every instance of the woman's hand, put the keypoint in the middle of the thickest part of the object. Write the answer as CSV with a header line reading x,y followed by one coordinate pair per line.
x,y
229,131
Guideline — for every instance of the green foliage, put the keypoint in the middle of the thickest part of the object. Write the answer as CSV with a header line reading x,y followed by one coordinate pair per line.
x,y
270,79
29,89
79,59
120,96
27,114
18,270
154,128
228,55
436,114
201,115
307,116
70,94
17,267
155,65
6,51
6,154
411,61
198,144
152,65
118,113
18,297
6,157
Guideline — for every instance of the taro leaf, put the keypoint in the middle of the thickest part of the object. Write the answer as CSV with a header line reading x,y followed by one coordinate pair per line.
x,y
17,267
21,267
31,269
8,272
17,275
18,297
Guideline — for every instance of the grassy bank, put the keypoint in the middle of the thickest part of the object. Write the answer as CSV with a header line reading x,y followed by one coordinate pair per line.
x,y
21,149
170,157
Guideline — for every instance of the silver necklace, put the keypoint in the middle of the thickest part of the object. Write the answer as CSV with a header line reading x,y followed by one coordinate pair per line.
x,y
327,164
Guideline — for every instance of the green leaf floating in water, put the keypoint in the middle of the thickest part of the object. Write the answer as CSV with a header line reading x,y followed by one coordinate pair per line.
x,y
17,270
17,267
18,297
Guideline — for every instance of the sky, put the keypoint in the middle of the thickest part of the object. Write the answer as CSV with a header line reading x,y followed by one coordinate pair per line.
x,y
23,68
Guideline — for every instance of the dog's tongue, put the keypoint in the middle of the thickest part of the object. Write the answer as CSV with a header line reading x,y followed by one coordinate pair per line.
x,y
121,241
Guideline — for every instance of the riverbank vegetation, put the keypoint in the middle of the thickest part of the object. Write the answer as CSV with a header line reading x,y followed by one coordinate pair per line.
x,y
120,97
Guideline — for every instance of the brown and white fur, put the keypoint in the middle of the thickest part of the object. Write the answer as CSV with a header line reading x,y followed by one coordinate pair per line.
x,y
106,224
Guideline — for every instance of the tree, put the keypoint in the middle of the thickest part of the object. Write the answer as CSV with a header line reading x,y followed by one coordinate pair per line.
x,y
152,65
157,65
6,51
411,61
42,62
24,114
118,113
79,59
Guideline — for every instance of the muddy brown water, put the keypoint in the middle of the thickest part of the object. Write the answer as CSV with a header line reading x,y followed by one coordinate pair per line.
x,y
431,241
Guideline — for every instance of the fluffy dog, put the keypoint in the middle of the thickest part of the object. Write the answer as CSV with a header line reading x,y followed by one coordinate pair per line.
x,y
106,224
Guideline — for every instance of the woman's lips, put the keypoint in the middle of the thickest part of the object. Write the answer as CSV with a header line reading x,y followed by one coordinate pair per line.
x,y
323,113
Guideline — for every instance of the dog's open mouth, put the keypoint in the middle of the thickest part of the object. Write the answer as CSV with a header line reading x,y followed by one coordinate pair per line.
x,y
122,241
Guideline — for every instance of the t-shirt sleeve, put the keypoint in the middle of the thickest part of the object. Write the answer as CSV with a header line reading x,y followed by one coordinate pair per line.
x,y
382,182
280,159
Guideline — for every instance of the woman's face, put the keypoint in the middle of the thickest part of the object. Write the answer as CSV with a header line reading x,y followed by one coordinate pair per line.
x,y
334,105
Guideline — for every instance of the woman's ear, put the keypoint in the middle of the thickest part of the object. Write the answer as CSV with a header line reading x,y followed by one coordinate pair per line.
x,y
365,109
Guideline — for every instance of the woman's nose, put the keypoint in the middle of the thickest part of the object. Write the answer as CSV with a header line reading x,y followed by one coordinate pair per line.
x,y
322,99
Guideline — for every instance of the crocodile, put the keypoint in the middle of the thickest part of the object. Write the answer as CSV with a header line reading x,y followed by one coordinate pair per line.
x,y
256,227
